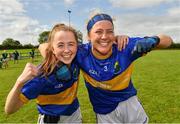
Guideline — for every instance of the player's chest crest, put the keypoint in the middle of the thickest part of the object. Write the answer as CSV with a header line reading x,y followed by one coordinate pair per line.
x,y
75,73
117,67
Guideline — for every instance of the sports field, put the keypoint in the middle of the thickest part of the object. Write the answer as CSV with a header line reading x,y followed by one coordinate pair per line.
x,y
156,77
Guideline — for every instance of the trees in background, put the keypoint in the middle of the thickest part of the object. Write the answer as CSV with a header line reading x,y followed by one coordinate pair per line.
x,y
10,43
175,46
43,37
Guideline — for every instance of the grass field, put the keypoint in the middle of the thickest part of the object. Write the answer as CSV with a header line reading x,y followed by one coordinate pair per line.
x,y
19,50
156,76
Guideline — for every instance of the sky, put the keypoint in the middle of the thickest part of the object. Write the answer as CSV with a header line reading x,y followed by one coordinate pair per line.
x,y
24,20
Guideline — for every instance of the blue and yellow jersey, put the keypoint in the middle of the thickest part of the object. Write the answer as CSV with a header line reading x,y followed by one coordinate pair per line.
x,y
108,80
53,97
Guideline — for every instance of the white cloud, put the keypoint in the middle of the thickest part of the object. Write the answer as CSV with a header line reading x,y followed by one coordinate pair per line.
x,y
143,25
174,11
69,1
140,24
138,3
11,7
15,24
93,12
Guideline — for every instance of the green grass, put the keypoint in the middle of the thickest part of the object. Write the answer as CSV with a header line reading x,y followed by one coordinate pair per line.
x,y
156,76
7,79
19,50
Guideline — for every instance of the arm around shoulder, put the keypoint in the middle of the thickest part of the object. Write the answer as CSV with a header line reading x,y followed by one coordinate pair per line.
x,y
42,49
165,41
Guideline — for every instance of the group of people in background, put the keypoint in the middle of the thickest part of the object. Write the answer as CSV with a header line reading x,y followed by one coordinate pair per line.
x,y
15,56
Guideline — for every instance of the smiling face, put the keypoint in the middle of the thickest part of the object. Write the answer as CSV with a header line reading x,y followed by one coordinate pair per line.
x,y
102,36
64,46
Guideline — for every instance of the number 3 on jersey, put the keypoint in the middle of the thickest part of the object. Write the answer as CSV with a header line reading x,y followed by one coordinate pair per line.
x,y
105,68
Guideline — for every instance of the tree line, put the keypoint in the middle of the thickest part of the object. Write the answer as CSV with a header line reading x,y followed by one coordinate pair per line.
x,y
174,46
10,43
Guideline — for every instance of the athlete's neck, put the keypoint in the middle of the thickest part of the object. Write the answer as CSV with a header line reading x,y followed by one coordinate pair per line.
x,y
99,55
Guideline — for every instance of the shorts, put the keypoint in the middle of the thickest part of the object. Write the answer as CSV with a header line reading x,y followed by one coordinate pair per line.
x,y
129,111
76,117
5,60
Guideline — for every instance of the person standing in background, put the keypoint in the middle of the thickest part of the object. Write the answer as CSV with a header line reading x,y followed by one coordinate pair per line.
x,y
5,59
16,56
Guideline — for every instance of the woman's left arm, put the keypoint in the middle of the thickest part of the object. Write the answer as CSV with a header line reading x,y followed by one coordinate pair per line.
x,y
165,41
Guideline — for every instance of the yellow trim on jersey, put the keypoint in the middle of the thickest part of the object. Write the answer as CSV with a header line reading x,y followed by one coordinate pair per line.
x,y
117,83
144,54
63,98
23,98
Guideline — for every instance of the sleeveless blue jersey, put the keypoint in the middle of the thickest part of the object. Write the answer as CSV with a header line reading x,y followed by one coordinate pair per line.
x,y
108,80
53,97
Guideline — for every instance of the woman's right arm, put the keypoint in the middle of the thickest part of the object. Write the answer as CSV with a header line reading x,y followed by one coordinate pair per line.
x,y
13,102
